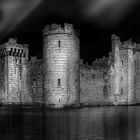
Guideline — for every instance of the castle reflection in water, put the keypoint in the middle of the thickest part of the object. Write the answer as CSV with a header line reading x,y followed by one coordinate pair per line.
x,y
98,123
62,79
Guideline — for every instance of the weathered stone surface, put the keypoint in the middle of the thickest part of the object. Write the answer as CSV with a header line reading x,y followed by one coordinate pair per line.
x,y
61,59
125,71
14,58
35,79
94,84
62,79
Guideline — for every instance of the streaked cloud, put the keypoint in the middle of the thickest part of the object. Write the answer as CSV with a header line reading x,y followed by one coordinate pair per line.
x,y
106,12
13,12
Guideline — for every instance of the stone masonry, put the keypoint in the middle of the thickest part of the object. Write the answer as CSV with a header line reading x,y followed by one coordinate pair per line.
x,y
61,59
62,79
13,79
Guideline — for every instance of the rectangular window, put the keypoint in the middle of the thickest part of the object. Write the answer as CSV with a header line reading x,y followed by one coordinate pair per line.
x,y
122,62
59,43
15,68
59,84
121,91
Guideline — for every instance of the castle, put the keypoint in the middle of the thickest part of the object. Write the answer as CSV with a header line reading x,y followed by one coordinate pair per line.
x,y
62,79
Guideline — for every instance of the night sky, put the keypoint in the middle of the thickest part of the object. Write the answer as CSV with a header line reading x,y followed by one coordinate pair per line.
x,y
96,19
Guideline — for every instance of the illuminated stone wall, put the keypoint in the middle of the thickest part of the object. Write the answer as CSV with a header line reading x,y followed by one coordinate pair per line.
x,y
35,80
94,83
116,83
3,76
25,88
62,79
136,73
120,67
14,58
125,71
61,58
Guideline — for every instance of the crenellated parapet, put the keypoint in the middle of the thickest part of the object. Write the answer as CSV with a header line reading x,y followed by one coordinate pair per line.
x,y
35,62
102,63
12,48
129,44
59,29
61,61
33,59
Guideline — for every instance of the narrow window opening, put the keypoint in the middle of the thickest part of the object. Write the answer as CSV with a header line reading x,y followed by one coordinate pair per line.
x,y
24,55
14,52
18,51
121,78
11,50
15,66
20,61
2,62
59,82
121,91
59,43
122,62
34,86
93,76
34,82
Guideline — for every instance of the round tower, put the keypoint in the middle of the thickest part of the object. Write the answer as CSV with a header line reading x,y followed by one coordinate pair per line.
x,y
61,58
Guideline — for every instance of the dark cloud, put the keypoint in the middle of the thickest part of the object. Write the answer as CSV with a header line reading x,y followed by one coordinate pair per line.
x,y
12,12
97,20
102,12
107,12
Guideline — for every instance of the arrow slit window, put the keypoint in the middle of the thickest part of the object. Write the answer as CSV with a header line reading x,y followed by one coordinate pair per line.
x,y
59,43
59,83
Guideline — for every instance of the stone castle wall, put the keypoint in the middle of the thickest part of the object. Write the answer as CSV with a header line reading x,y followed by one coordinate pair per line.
x,y
120,72
137,77
61,59
3,88
36,80
125,71
94,83
61,78
114,80
14,58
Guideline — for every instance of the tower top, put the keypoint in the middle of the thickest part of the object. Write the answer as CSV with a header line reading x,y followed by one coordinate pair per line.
x,y
58,29
12,42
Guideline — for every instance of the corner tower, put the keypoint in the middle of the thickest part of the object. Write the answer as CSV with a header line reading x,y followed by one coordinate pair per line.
x,y
13,72
123,81
61,58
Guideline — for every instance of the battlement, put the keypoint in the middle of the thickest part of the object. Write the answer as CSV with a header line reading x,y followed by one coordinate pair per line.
x,y
59,29
102,62
13,48
125,44
97,64
33,59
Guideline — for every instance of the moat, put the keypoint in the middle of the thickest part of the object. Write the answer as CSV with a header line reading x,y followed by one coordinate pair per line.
x,y
96,123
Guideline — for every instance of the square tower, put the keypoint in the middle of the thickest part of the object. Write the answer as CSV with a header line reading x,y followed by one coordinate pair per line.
x,y
123,71
13,72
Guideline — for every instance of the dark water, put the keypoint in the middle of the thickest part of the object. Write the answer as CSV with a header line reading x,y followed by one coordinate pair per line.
x,y
97,123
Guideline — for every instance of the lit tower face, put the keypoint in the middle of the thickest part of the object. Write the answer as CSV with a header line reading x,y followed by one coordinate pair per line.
x,y
13,58
61,57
